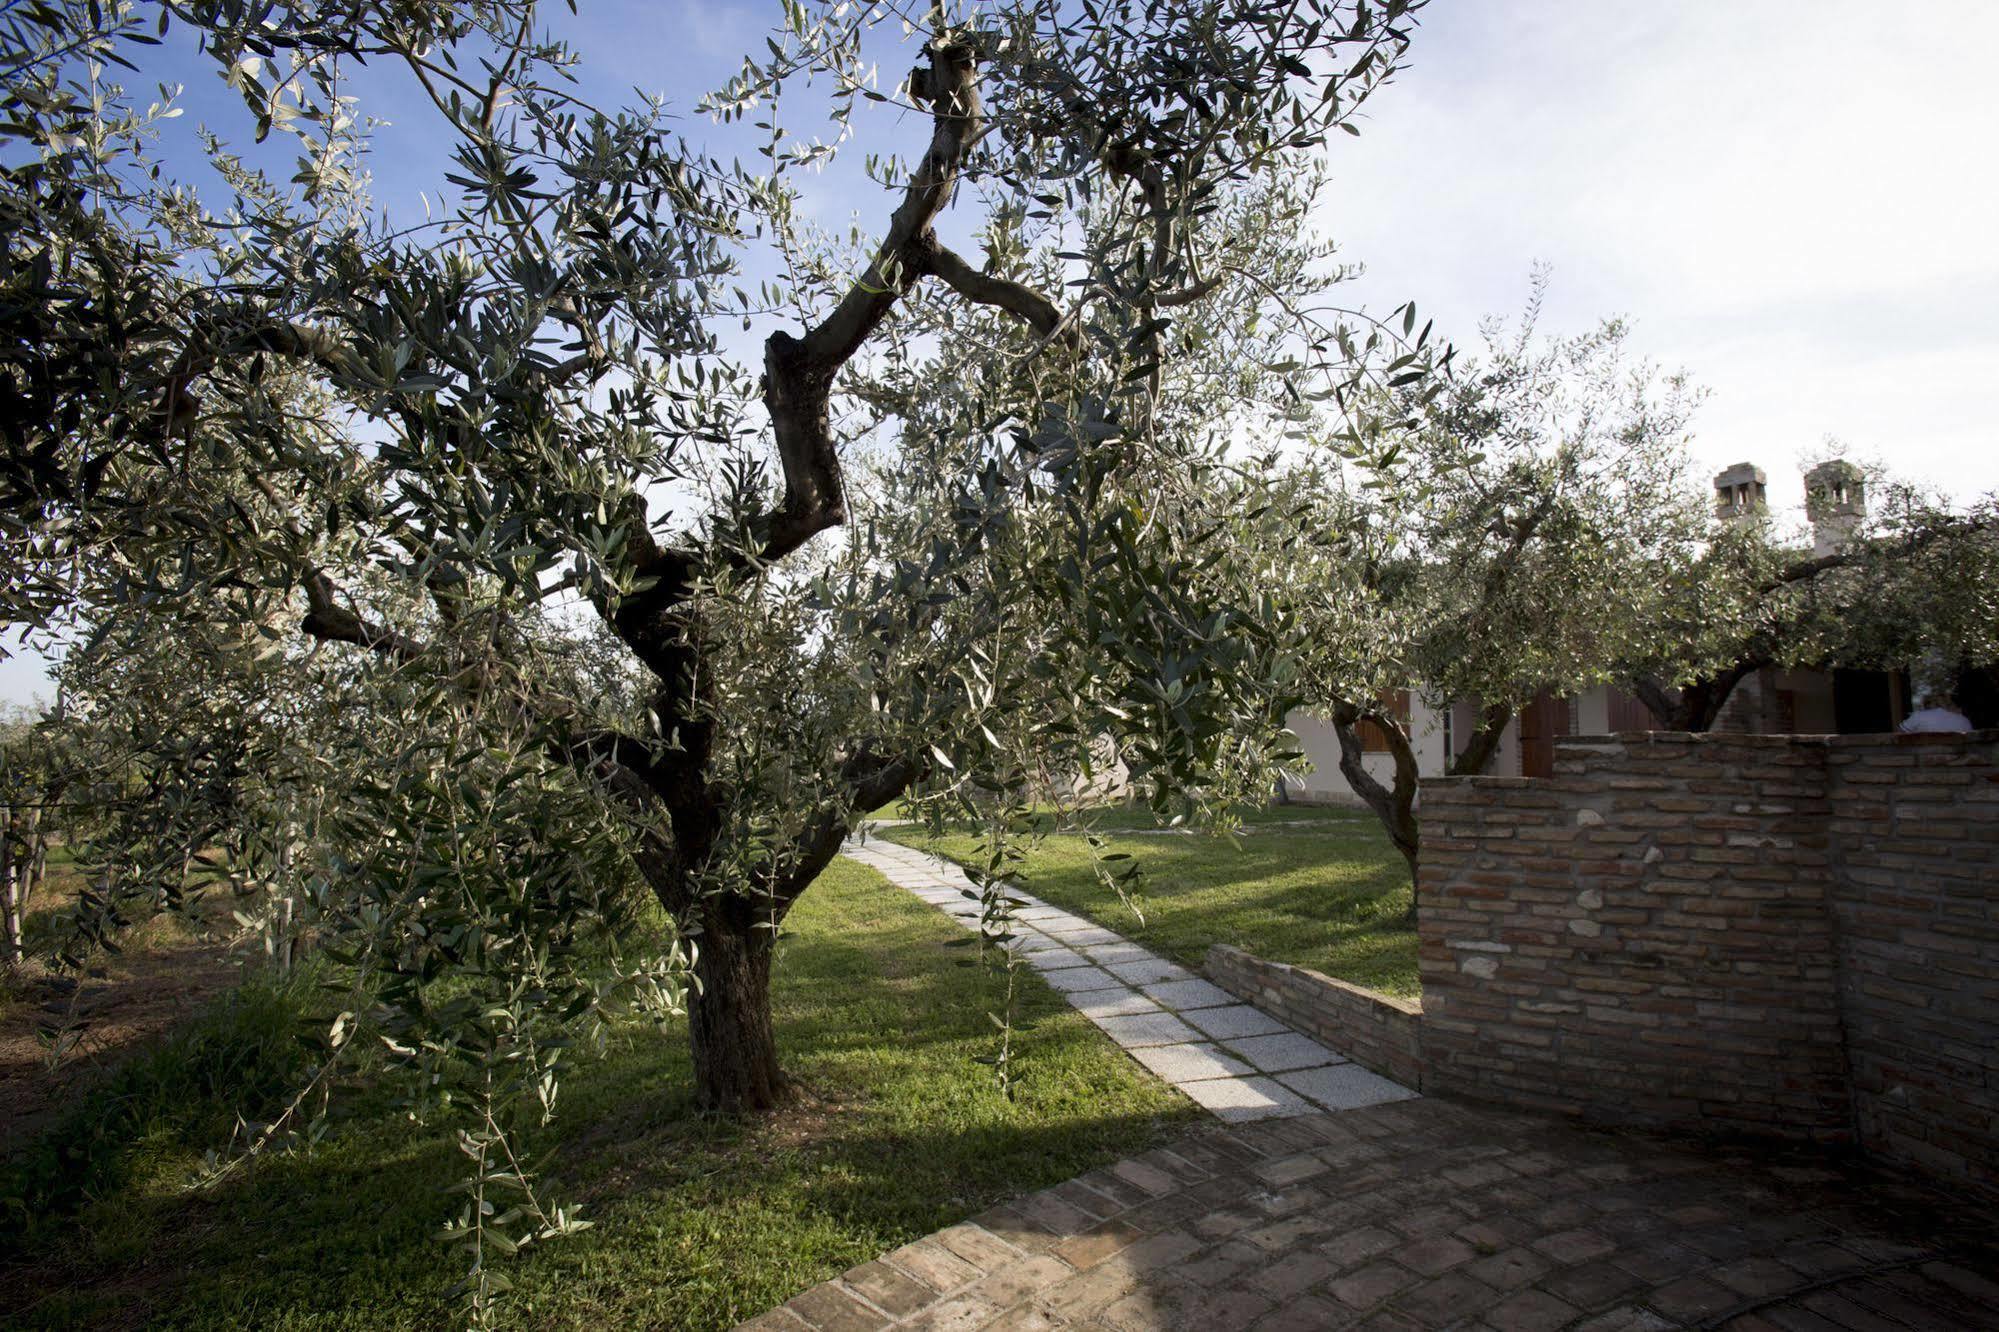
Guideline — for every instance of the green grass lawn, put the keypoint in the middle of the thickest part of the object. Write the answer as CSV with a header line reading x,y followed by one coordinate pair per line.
x,y
1127,817
698,1224
1329,894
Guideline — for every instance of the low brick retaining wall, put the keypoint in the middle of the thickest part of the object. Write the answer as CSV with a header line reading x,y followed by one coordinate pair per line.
x,y
1376,1031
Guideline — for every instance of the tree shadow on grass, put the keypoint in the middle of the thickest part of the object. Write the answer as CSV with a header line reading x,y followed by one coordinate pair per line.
x,y
859,1189
698,1222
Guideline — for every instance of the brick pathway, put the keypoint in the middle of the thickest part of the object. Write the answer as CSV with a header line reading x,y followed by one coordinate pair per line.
x,y
1233,1060
1429,1214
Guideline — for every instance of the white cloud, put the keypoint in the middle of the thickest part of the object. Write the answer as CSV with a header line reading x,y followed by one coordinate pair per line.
x,y
1795,201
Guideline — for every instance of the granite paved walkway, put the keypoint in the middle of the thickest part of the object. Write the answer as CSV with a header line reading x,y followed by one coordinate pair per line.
x,y
1430,1214
1233,1060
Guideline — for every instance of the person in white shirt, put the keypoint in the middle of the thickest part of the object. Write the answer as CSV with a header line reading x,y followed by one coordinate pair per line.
x,y
1938,713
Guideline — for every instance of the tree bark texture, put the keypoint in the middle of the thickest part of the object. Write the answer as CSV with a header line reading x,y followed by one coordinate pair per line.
x,y
1394,805
1696,705
729,1020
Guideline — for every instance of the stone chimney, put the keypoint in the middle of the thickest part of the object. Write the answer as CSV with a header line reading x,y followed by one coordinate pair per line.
x,y
1836,502
1740,492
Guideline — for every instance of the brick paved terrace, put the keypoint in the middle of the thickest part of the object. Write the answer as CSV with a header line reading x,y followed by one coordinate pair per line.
x,y
1429,1214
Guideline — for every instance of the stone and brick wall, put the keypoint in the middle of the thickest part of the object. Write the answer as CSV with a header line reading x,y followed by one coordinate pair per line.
x,y
1915,843
1772,934
1376,1031
1644,936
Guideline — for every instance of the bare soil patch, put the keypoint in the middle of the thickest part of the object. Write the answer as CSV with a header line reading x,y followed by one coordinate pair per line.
x,y
123,1003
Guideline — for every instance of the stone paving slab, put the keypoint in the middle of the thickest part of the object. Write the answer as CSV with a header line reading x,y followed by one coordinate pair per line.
x,y
1344,1086
1284,1052
1151,971
1430,1214
1121,951
1094,1004
1237,1099
1056,959
1082,978
1238,1020
1139,1030
1071,926
1183,995
1191,1063
1176,1024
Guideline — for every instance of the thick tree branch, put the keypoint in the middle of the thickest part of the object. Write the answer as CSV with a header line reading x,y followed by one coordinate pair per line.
x,y
871,781
301,342
985,289
1657,700
622,764
619,761
798,382
1806,570
798,372
329,621
1191,293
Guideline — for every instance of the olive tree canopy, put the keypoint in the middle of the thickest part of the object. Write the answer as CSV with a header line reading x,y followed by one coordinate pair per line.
x,y
614,622
1517,531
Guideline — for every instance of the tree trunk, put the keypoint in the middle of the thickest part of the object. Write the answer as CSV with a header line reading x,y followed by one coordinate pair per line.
x,y
1698,703
1659,700
734,933
728,1020
1702,702
1476,756
10,890
282,949
1396,806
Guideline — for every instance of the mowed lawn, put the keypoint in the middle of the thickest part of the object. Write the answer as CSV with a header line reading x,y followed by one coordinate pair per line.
x,y
698,1223
1319,888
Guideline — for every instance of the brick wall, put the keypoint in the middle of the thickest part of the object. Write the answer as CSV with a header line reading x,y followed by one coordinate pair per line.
x,y
1376,1031
1644,936
1794,935
1916,900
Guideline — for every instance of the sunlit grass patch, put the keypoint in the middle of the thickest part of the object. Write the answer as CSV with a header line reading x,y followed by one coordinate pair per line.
x,y
1327,892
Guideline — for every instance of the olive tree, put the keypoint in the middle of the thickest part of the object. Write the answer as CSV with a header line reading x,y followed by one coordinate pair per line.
x,y
955,520
1511,535
1912,581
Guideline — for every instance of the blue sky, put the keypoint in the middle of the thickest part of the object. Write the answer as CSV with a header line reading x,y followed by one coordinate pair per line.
x,y
1791,203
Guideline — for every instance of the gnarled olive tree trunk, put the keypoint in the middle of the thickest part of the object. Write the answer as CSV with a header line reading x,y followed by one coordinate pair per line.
x,y
729,1019
1395,804
734,932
